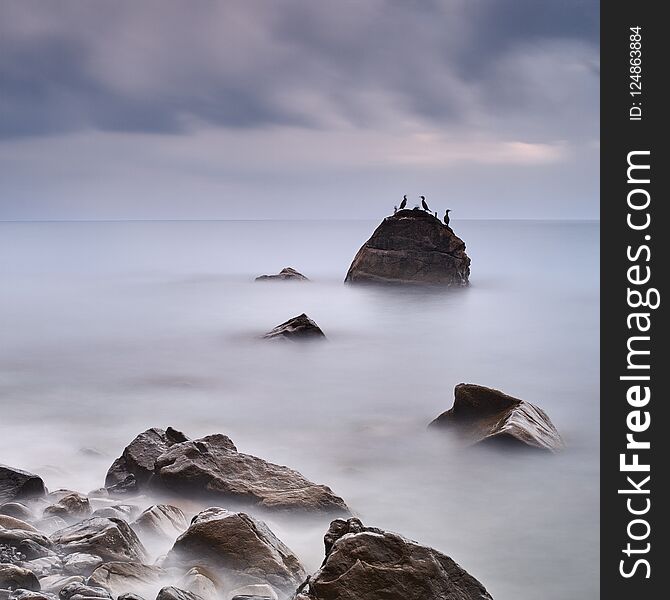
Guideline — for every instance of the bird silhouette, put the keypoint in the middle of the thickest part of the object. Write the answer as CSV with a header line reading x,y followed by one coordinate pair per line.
x,y
403,204
424,203
446,217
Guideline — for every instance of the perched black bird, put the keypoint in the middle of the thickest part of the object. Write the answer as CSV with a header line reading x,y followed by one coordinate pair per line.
x,y
403,204
424,203
446,217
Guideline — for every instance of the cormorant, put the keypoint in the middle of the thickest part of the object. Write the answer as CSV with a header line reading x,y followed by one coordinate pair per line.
x,y
395,209
424,203
403,204
446,217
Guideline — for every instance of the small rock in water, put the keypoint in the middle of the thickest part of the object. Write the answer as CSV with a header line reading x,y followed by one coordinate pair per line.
x,y
482,415
286,274
72,507
296,329
160,522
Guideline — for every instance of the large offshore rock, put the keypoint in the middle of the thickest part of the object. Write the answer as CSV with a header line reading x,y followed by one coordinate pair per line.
x,y
110,539
412,247
16,484
136,465
363,562
286,274
300,328
244,549
482,415
213,468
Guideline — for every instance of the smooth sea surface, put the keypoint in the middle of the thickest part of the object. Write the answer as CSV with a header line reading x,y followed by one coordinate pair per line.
x,y
108,328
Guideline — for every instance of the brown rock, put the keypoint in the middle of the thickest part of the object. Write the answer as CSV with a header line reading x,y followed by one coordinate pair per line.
x,y
286,274
13,577
298,328
482,415
16,484
124,577
160,521
71,508
412,247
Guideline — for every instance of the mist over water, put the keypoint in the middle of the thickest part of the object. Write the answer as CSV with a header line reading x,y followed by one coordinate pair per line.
x,y
110,328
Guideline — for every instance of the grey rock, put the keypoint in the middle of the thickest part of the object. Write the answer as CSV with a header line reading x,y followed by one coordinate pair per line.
x,y
211,467
300,328
120,577
135,466
53,584
174,593
32,545
486,416
81,563
244,548
286,274
13,577
130,597
201,582
253,592
78,591
412,247
111,539
16,484
160,521
8,522
16,510
363,562
31,595
72,507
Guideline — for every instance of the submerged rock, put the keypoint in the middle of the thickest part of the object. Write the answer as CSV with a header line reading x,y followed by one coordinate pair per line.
x,y
136,465
286,274
296,329
412,247
482,415
16,484
365,562
212,467
244,548
110,539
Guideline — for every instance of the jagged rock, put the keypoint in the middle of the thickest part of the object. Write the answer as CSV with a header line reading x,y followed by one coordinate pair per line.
x,y
482,415
71,508
79,591
412,247
13,577
53,584
8,522
16,510
81,563
366,562
160,521
253,592
174,593
242,547
286,274
16,484
212,467
110,539
120,577
135,466
50,525
47,565
200,582
296,329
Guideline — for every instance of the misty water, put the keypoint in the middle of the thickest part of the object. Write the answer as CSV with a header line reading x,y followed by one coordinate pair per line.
x,y
107,329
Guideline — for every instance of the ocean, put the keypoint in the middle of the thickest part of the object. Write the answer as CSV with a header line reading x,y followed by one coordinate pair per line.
x,y
109,328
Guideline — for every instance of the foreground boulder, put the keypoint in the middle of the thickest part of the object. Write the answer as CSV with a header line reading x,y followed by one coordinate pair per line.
x,y
110,539
16,484
211,467
296,329
286,274
412,247
13,577
482,415
135,466
243,548
365,562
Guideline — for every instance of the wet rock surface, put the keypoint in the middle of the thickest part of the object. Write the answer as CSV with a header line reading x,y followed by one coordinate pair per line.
x,y
366,562
300,328
13,577
123,577
482,415
160,521
286,274
412,247
71,508
243,547
16,484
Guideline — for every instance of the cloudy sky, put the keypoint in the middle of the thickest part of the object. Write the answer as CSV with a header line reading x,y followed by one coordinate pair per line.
x,y
196,109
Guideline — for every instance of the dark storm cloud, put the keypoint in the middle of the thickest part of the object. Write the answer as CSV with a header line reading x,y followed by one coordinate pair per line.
x,y
167,66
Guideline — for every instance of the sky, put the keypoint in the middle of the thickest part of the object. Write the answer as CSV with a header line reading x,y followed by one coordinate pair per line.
x,y
298,109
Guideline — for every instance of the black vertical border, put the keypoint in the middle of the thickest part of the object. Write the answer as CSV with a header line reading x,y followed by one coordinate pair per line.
x,y
619,136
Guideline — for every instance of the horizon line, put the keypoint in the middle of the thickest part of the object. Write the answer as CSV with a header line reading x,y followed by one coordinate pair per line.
x,y
563,220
